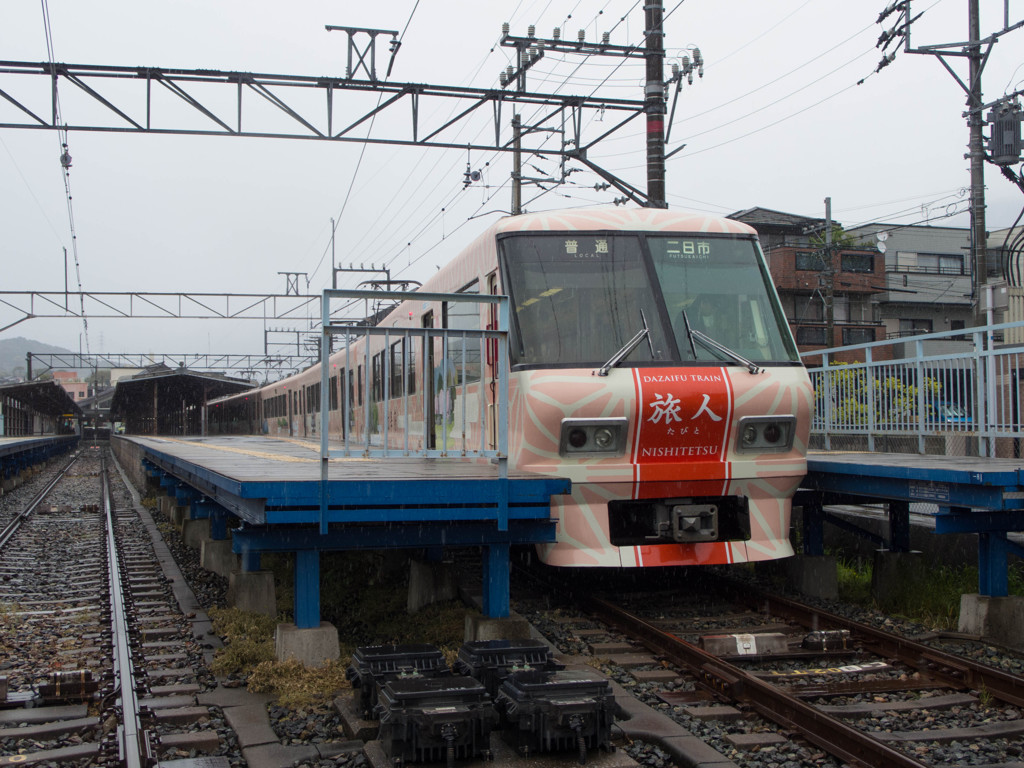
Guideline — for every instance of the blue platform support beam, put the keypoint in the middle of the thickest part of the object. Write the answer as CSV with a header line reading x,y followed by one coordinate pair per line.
x,y
813,530
307,588
993,577
218,523
979,495
497,573
899,526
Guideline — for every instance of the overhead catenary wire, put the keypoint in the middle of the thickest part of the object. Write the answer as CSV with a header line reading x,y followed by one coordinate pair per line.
x,y
65,160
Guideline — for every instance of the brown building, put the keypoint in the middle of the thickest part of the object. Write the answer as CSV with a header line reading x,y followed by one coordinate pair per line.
x,y
809,280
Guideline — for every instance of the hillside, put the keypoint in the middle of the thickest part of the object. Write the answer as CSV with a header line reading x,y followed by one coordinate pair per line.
x,y
13,351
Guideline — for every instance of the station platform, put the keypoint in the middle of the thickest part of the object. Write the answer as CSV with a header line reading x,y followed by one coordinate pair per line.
x,y
275,489
973,495
20,453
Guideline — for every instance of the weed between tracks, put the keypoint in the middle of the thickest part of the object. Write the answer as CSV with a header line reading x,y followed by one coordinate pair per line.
x,y
364,595
932,599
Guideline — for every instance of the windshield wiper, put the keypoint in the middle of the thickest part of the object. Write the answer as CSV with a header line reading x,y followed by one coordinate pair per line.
x,y
629,346
692,334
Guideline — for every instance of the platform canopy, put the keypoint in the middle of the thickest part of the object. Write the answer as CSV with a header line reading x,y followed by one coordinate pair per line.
x,y
168,401
48,398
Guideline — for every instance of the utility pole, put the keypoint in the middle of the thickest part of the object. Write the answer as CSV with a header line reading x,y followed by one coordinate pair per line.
x,y
654,103
976,153
830,277
976,50
517,165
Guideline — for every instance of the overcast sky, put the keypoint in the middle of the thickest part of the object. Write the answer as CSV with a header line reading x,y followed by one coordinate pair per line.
x,y
777,121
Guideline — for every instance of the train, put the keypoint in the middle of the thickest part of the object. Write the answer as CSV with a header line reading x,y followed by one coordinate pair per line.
x,y
650,362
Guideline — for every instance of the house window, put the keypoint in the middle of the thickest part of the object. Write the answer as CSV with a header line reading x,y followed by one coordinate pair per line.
x,y
910,326
810,309
809,261
940,264
858,262
810,335
858,335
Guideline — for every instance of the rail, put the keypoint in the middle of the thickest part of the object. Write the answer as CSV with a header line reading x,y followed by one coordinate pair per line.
x,y
956,383
7,533
132,739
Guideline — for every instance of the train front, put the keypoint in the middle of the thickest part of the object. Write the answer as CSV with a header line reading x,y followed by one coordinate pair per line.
x,y
653,366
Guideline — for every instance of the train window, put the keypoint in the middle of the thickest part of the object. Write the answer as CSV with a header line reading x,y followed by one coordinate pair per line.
x,y
463,352
725,289
396,367
334,393
578,298
359,385
410,372
377,380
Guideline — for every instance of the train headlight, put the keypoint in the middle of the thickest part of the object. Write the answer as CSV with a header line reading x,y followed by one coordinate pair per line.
x,y
593,438
766,434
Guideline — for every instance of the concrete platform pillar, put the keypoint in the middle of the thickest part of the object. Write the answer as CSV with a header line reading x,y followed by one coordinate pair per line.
x,y
430,583
511,627
195,532
216,556
164,503
252,591
1000,619
893,572
178,514
813,575
313,646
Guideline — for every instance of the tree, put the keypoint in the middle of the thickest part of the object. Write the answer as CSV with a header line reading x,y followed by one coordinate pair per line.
x,y
855,397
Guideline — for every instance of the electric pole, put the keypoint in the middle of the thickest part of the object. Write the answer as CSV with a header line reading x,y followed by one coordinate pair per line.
x,y
517,165
976,50
654,103
976,153
830,278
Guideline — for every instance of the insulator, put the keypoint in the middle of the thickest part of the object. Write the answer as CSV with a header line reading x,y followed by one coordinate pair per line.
x,y
606,37
524,58
534,52
504,28
503,79
675,70
557,33
509,71
531,31
582,35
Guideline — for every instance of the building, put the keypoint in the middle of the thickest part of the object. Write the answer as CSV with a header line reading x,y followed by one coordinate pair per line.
x,y
928,285
830,299
882,282
76,388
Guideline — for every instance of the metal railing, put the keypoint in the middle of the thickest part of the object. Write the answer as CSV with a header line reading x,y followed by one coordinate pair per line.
x,y
955,384
447,416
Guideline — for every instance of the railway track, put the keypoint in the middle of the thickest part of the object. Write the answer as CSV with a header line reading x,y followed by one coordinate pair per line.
x,y
754,673
96,658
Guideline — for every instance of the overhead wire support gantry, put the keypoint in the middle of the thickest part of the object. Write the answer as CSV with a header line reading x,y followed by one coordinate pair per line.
x,y
221,109
136,115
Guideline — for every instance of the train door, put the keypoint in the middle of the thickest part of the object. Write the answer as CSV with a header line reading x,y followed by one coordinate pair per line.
x,y
492,363
429,419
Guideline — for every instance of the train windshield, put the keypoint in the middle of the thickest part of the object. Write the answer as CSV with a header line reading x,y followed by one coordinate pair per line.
x,y
578,298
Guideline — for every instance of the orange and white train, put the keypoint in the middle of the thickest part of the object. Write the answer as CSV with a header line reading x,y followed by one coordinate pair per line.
x,y
650,363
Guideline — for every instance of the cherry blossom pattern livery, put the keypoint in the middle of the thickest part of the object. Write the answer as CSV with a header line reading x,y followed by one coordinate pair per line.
x,y
651,364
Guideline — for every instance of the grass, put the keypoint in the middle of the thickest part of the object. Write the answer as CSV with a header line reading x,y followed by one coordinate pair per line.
x,y
932,597
248,640
364,595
